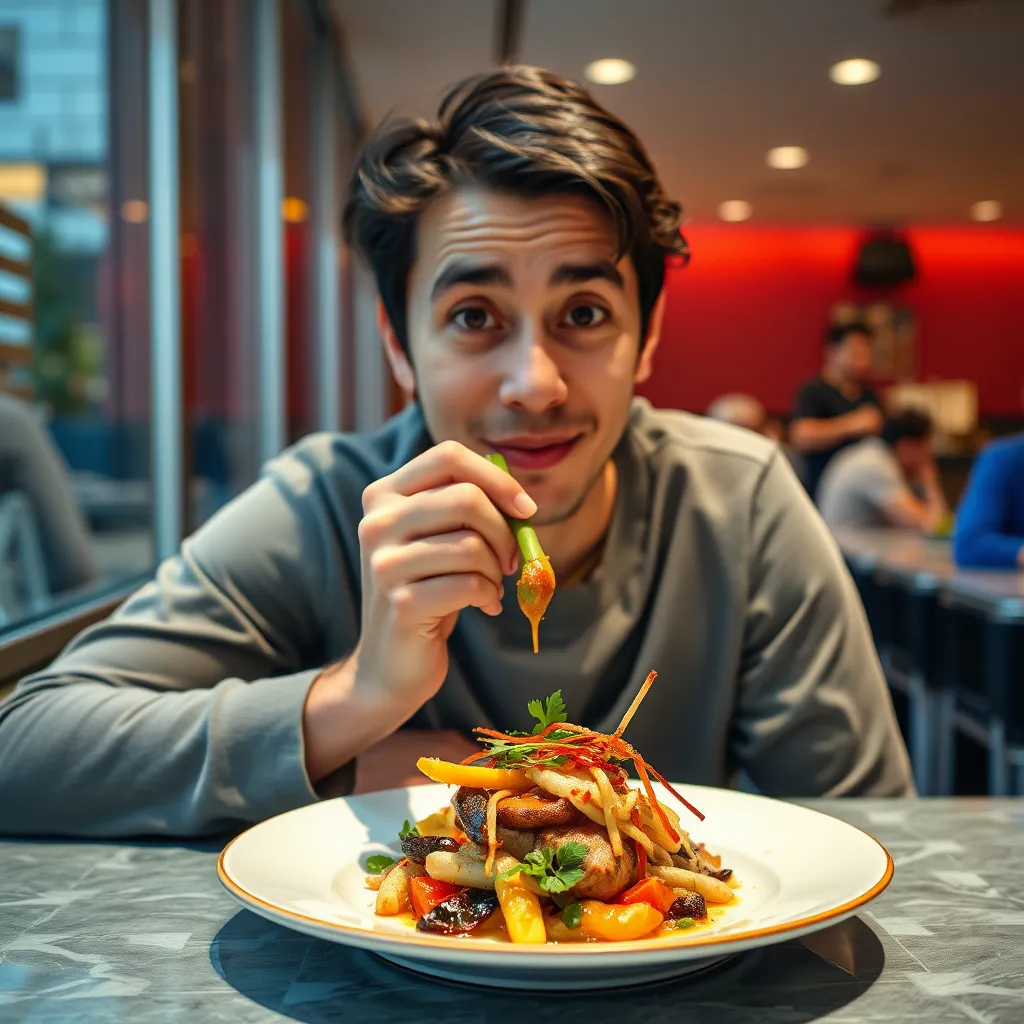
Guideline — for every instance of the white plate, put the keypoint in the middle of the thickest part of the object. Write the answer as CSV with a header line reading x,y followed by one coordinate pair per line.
x,y
799,871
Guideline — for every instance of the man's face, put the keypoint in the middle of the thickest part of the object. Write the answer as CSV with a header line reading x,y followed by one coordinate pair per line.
x,y
524,333
854,356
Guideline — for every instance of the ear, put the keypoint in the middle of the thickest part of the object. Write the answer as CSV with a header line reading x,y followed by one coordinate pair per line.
x,y
401,368
646,361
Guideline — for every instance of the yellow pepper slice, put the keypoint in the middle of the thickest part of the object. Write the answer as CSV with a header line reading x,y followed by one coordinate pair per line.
x,y
473,776
613,922
523,917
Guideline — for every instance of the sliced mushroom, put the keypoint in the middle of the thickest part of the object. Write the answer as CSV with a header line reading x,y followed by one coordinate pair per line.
x,y
537,810
471,811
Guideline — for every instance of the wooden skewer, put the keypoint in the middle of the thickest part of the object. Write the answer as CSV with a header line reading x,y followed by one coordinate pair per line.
x,y
628,716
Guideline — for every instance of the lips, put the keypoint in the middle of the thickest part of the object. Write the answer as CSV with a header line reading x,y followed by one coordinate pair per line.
x,y
535,452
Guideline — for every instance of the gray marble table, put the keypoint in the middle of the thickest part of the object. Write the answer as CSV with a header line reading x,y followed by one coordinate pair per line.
x,y
142,932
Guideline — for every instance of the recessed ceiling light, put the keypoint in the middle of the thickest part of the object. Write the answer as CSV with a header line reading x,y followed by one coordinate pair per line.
x,y
610,71
987,209
787,158
854,72
735,210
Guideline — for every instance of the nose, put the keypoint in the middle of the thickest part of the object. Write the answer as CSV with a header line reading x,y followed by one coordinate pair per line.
x,y
532,380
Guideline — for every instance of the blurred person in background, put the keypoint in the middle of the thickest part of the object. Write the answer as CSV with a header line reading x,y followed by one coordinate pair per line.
x,y
890,480
741,411
836,408
990,520
519,242
748,412
31,468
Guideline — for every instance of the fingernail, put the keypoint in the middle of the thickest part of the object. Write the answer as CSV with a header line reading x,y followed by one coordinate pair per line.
x,y
513,566
524,505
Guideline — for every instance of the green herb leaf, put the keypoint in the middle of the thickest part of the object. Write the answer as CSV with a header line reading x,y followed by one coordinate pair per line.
x,y
560,734
408,830
548,712
570,855
561,882
555,870
685,922
377,863
572,916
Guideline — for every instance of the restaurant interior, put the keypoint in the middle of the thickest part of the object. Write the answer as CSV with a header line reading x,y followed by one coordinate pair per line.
x,y
178,306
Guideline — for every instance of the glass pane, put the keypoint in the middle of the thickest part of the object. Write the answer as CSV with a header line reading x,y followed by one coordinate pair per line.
x,y
298,51
74,303
217,246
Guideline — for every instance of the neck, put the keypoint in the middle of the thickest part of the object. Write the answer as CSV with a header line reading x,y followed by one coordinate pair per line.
x,y
569,543
839,380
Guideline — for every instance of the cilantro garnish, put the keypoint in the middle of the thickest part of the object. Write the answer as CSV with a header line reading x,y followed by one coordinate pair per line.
x,y
408,830
555,870
377,863
548,712
572,916
684,922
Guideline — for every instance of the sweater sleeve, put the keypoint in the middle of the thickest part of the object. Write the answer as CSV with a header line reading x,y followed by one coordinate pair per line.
x,y
982,535
182,712
813,714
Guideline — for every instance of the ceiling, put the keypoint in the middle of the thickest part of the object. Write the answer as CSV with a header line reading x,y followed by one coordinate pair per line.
x,y
720,82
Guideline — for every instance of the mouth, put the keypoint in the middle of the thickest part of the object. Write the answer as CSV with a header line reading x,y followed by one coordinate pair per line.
x,y
535,451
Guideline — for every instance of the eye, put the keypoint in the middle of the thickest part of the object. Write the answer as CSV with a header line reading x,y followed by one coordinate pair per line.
x,y
474,318
586,315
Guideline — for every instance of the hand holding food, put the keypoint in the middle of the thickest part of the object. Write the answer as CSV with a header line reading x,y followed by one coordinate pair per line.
x,y
545,840
433,541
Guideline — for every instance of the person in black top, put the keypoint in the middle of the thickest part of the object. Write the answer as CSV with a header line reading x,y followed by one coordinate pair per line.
x,y
836,408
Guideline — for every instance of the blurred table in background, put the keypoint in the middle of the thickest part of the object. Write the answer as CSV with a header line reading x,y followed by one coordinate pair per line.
x,y
952,642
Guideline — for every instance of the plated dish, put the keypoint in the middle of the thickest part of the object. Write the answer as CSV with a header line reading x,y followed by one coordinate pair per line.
x,y
545,841
793,871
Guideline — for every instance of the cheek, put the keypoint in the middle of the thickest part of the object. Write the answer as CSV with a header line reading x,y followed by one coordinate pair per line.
x,y
603,380
452,389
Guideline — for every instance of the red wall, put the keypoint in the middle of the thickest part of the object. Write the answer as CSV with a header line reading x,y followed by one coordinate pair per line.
x,y
749,311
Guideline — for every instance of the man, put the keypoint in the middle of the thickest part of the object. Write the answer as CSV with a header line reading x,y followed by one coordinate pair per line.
x,y
31,468
886,481
748,412
519,244
741,411
990,522
836,408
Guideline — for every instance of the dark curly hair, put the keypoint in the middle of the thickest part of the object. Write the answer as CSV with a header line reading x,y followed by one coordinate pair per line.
x,y
522,130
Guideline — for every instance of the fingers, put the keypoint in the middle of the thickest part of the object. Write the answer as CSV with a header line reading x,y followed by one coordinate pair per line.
x,y
451,463
426,602
454,508
463,551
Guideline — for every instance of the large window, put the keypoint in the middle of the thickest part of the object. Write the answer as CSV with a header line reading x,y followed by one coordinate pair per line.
x,y
218,238
74,346
96,443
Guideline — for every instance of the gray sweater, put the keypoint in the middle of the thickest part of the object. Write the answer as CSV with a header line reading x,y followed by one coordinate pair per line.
x,y
182,712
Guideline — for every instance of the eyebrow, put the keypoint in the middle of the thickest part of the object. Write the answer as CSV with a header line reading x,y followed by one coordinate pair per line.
x,y
462,273
581,273
468,273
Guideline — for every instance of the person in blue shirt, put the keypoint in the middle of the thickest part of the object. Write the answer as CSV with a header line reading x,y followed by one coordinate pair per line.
x,y
990,523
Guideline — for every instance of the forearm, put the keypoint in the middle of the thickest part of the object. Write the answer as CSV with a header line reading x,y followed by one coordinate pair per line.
x,y
344,715
988,549
812,435
935,504
84,758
